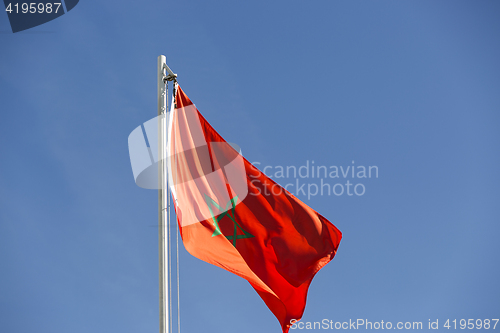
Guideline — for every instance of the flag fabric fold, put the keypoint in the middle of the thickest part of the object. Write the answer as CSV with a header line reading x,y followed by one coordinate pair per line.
x,y
235,217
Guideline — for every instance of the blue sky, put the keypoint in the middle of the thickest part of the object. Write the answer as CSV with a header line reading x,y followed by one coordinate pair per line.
x,y
411,87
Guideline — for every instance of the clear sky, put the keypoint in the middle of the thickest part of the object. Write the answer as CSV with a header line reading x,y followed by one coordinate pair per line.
x,y
412,87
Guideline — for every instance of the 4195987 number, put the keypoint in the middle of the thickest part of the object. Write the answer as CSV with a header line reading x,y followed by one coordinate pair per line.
x,y
471,324
33,7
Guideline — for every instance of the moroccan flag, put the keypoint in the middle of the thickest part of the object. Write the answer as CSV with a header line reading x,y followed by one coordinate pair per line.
x,y
233,216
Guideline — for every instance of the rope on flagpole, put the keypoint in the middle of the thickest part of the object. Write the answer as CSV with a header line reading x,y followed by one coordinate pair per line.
x,y
174,92
169,231
178,284
173,77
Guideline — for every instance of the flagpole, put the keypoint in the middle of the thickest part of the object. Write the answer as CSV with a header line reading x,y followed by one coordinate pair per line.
x,y
162,198
165,74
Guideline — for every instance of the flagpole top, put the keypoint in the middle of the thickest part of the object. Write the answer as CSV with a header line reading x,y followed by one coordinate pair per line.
x,y
167,73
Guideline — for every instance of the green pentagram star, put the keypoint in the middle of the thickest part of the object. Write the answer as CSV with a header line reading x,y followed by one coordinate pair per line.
x,y
216,220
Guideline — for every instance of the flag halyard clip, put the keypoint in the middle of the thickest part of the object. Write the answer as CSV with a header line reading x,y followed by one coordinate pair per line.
x,y
171,75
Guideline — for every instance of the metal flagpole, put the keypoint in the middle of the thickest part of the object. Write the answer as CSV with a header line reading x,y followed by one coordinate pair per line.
x,y
162,196
164,75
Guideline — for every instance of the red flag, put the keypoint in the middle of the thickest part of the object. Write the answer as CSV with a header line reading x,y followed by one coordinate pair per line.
x,y
233,216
